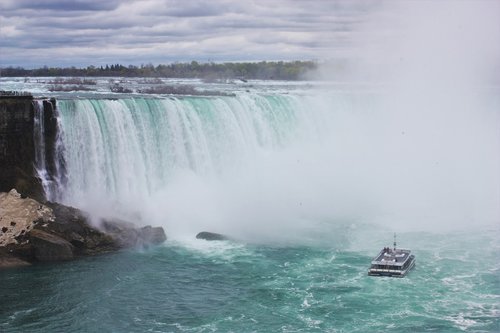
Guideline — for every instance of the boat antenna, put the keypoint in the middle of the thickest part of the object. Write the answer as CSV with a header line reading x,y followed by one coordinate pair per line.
x,y
394,241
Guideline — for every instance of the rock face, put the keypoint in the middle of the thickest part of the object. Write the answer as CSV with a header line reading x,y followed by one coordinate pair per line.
x,y
18,216
73,225
211,236
17,144
34,232
7,260
50,247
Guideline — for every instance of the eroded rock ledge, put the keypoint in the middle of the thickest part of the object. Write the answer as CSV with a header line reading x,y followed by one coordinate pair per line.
x,y
34,232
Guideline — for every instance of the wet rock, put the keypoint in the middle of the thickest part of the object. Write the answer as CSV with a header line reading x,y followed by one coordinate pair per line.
x,y
7,260
49,247
74,226
153,235
122,232
211,236
127,235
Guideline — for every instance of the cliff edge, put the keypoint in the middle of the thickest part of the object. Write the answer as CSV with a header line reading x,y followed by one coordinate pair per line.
x,y
17,143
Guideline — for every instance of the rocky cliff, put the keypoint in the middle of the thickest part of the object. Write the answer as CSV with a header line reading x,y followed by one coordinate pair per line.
x,y
34,232
17,143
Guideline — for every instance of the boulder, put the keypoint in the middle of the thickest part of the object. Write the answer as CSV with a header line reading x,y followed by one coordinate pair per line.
x,y
8,260
127,235
211,236
122,232
152,235
31,231
74,226
50,247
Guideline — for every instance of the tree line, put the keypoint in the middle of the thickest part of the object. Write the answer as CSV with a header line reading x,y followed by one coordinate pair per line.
x,y
264,70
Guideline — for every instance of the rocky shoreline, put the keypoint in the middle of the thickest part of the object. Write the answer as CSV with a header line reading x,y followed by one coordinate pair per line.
x,y
32,232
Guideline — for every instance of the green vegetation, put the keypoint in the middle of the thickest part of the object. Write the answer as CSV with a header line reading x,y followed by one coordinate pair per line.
x,y
263,70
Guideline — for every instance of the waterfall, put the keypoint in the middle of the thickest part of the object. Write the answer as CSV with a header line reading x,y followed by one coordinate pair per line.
x,y
49,162
268,162
132,147
40,148
39,139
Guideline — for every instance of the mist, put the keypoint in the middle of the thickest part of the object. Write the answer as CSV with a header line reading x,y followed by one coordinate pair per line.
x,y
405,137
431,146
420,152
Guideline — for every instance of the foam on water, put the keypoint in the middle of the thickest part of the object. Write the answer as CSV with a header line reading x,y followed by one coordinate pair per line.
x,y
218,250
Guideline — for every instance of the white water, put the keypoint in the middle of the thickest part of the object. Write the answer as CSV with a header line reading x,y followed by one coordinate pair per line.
x,y
278,165
39,139
184,162
52,180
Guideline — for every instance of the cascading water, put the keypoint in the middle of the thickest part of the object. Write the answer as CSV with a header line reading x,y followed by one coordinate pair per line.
x,y
269,162
49,160
122,153
39,139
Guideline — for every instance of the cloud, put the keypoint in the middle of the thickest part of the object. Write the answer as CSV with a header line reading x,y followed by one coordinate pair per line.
x,y
36,33
59,5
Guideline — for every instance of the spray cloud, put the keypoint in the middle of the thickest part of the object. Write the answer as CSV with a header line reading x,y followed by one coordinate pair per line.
x,y
410,139
430,146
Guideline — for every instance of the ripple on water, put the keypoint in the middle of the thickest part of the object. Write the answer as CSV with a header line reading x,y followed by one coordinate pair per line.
x,y
200,286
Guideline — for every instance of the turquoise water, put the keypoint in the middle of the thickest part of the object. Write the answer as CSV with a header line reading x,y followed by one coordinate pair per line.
x,y
200,286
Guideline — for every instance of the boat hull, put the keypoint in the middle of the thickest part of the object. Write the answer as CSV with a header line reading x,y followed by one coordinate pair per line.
x,y
392,272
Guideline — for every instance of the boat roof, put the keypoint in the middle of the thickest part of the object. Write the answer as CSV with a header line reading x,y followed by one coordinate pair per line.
x,y
394,257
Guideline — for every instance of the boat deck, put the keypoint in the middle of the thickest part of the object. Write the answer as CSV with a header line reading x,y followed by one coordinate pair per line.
x,y
392,262
391,257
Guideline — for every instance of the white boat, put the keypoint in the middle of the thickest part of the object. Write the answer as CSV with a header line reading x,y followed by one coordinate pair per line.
x,y
392,262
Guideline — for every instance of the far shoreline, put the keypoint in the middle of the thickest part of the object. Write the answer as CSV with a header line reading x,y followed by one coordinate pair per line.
x,y
298,70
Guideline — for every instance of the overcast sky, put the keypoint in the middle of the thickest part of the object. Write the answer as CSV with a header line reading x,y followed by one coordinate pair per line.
x,y
94,32
80,33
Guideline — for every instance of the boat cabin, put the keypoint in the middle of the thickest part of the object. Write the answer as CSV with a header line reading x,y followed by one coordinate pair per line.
x,y
392,262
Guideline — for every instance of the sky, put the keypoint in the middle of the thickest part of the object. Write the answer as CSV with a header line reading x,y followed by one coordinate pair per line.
x,y
80,33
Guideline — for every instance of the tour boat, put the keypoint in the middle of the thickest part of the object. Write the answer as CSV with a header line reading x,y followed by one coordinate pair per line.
x,y
392,262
